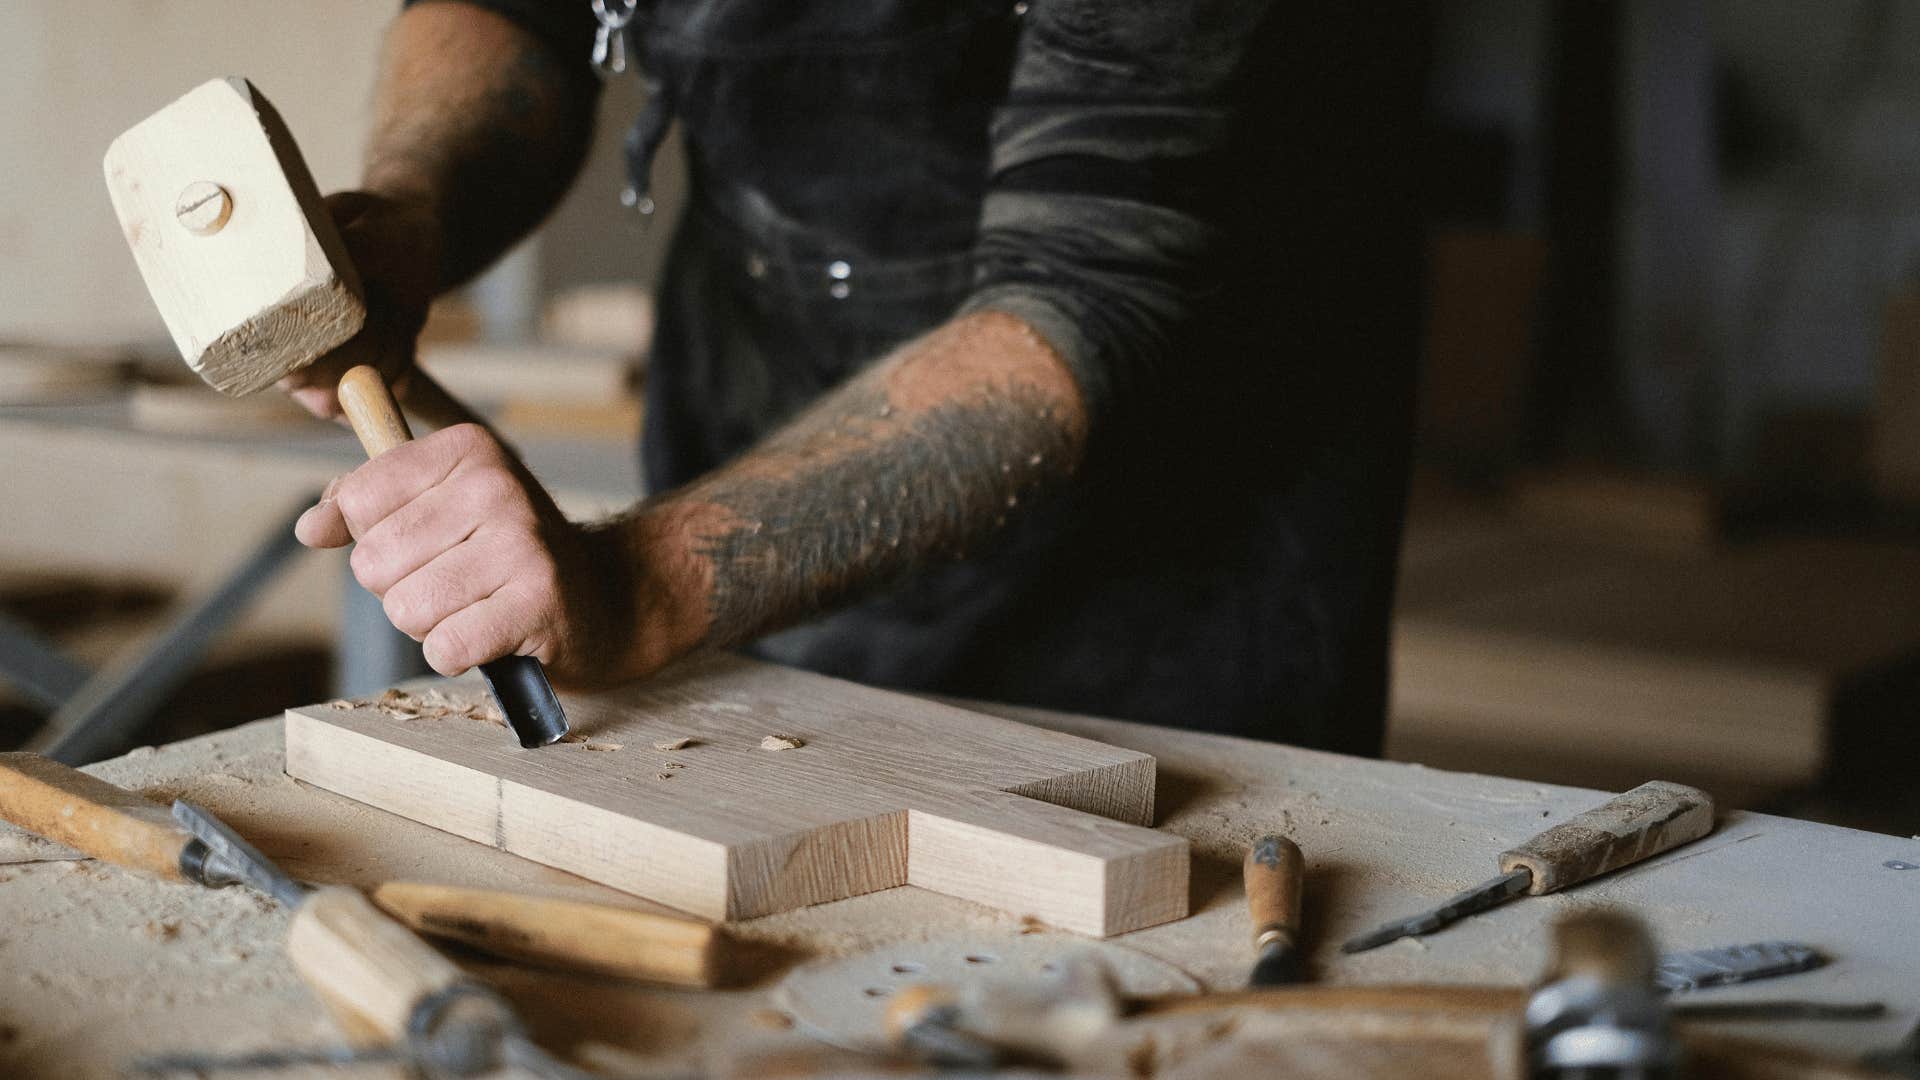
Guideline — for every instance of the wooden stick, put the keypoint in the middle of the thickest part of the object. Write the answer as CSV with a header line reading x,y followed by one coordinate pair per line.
x,y
88,814
595,938
371,410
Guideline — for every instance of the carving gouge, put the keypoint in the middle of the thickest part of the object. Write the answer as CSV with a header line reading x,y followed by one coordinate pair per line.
x,y
1273,873
122,827
1654,817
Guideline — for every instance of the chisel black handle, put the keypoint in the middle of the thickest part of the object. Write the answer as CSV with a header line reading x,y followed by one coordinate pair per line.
x,y
1652,818
526,699
519,683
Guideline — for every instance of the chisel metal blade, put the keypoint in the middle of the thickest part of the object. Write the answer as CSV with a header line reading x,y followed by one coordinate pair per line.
x,y
1477,899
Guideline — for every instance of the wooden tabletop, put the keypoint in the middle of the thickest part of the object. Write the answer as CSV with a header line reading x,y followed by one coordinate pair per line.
x,y
98,966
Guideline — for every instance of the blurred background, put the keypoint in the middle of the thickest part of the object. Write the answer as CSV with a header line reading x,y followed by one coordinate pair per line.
x,y
1666,520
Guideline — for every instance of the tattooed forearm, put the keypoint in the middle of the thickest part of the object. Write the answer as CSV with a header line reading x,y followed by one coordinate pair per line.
x,y
922,456
477,119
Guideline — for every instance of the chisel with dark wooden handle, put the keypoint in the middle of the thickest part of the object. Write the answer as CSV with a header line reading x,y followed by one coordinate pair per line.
x,y
1657,816
128,829
518,683
1274,872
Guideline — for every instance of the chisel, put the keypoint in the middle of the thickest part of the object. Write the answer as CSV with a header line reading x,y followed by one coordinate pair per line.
x,y
1657,816
1273,872
123,827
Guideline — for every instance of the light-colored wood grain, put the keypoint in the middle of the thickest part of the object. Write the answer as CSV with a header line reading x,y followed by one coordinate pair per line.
x,y
884,790
359,959
271,289
88,814
371,410
569,934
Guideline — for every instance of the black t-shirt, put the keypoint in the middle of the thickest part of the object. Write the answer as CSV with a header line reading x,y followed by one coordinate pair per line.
x,y
1207,207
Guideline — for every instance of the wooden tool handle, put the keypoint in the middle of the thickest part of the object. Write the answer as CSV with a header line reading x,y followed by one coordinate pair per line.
x,y
85,812
596,938
1273,873
371,410
1652,818
359,959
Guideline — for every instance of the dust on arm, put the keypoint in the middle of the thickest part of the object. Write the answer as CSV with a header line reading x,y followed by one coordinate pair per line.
x,y
924,454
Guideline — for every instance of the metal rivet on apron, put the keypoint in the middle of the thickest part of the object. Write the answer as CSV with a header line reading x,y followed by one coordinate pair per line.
x,y
1020,9
838,290
756,265
631,198
839,270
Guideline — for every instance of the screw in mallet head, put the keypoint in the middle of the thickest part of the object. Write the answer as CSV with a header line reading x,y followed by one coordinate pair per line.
x,y
203,207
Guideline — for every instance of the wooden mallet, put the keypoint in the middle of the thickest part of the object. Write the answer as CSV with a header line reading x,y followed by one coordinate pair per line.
x,y
250,274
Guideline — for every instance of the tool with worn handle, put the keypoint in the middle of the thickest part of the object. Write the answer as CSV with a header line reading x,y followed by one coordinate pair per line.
x,y
247,268
518,683
1273,872
127,829
1657,816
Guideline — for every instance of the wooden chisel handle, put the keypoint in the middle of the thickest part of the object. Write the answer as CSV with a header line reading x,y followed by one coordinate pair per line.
x,y
90,815
596,938
1273,872
358,959
1652,818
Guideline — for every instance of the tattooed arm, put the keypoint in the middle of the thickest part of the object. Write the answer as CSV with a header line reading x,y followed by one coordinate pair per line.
x,y
909,462
479,127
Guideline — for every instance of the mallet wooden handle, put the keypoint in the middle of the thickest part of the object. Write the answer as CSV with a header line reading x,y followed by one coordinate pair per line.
x,y
1636,825
597,938
90,815
1273,872
371,410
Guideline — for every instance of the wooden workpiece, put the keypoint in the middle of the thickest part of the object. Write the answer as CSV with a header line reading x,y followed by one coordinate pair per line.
x,y
794,789
99,965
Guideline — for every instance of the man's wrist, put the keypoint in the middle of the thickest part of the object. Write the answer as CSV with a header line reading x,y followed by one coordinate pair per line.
x,y
668,579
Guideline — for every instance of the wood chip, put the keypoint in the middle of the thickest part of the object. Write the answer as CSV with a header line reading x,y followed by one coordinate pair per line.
x,y
781,742
673,744
604,746
664,775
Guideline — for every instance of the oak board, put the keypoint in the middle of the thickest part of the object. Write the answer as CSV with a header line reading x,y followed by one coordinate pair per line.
x,y
884,790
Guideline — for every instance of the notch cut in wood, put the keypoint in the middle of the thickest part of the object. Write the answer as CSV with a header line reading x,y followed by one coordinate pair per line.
x,y
885,790
229,231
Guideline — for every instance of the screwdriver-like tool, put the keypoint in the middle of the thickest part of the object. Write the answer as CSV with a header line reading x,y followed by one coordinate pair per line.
x,y
1657,816
1273,872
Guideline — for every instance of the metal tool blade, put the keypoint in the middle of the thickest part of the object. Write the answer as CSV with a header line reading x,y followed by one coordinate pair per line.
x,y
1701,968
1278,965
1474,900
232,856
526,699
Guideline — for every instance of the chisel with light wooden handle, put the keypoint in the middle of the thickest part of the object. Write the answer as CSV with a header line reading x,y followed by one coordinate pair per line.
x,y
1657,816
127,829
1273,873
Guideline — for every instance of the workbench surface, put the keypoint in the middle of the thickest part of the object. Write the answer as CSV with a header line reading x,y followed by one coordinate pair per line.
x,y
98,966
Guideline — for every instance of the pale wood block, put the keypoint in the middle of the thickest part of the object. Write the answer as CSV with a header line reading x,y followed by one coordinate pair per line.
x,y
1082,873
462,801
722,827
231,236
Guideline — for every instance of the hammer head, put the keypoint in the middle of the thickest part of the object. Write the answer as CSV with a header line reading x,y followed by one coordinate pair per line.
x,y
230,234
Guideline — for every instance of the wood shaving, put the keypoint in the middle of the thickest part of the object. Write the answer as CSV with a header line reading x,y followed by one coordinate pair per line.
x,y
675,765
664,775
604,746
673,744
435,704
341,703
781,742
